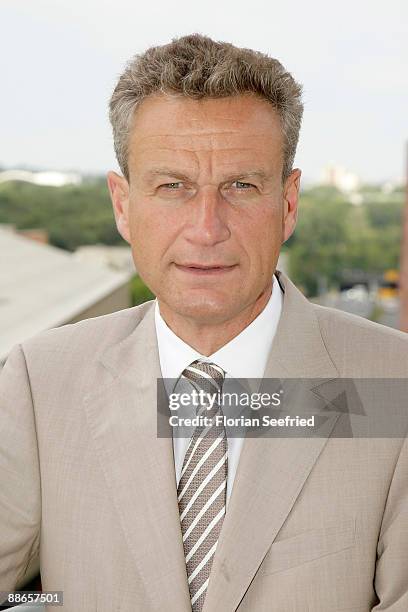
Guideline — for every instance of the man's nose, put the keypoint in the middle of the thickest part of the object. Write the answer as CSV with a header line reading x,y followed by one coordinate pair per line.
x,y
207,223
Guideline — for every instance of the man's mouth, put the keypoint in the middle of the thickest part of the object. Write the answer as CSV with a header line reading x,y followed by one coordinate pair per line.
x,y
202,269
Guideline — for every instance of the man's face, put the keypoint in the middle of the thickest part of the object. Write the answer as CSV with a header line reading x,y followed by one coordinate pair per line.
x,y
205,210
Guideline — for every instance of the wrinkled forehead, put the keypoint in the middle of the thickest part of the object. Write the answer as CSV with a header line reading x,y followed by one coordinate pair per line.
x,y
239,126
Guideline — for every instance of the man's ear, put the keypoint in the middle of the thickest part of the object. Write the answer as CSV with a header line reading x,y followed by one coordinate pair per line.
x,y
291,192
119,193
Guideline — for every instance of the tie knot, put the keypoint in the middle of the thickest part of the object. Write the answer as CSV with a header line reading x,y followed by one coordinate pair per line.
x,y
206,375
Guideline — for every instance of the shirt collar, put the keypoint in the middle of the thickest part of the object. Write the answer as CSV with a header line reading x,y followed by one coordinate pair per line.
x,y
245,356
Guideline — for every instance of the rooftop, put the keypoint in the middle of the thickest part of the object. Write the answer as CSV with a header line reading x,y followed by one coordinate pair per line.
x,y
42,287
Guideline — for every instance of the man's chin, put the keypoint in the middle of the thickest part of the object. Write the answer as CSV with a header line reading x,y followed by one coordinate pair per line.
x,y
205,312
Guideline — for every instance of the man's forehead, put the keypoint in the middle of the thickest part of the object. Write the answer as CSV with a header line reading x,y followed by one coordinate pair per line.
x,y
231,142
223,146
163,132
155,161
166,116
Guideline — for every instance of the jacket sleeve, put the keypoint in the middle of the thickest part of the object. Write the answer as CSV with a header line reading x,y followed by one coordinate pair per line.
x,y
20,484
391,579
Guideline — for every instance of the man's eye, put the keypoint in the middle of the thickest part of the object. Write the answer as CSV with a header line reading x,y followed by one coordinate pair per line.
x,y
174,185
242,185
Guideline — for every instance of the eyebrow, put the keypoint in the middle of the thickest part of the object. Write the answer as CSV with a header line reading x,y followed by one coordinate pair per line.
x,y
166,171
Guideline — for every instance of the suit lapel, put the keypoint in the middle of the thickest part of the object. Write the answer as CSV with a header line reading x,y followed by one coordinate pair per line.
x,y
271,471
138,466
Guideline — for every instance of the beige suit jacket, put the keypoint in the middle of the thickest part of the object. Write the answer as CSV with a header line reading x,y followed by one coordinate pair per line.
x,y
313,525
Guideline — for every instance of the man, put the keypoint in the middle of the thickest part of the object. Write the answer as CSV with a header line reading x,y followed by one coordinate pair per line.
x,y
123,519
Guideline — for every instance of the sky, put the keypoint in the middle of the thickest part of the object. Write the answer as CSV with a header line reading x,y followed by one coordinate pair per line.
x,y
60,60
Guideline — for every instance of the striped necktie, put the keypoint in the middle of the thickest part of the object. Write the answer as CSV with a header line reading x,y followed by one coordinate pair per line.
x,y
203,485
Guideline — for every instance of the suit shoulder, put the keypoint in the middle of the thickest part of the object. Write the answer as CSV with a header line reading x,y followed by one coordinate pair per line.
x,y
359,345
95,332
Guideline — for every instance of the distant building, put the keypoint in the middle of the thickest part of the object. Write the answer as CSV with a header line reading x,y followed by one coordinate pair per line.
x,y
342,179
47,177
42,287
37,234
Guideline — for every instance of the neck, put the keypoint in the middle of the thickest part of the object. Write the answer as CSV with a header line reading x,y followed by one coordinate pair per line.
x,y
205,338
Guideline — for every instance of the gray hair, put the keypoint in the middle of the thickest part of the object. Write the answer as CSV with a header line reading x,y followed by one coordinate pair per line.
x,y
198,67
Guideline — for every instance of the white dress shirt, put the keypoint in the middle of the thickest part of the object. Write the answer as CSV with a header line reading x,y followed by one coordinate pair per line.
x,y
245,357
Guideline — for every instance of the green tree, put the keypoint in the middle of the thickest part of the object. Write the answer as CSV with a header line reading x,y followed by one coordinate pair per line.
x,y
139,292
318,246
72,215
